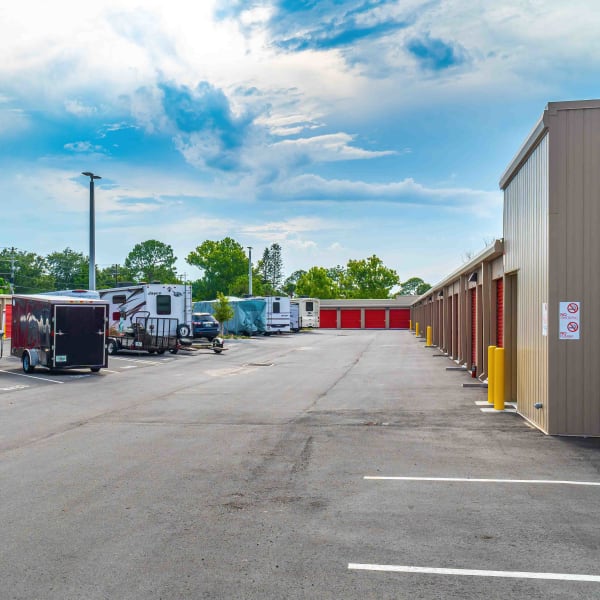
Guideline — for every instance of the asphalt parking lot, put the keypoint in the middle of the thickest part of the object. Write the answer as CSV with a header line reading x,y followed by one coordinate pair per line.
x,y
331,464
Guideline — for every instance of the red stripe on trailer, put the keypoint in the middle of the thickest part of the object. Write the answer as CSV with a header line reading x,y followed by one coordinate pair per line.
x,y
500,313
399,318
374,318
328,318
350,318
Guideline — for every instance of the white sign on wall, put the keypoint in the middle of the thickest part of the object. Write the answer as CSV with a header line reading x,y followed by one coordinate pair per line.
x,y
544,318
568,320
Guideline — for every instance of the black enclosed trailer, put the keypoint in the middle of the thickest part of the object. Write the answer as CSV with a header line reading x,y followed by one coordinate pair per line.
x,y
58,332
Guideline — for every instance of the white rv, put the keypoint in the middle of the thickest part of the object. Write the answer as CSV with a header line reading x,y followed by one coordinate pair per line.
x,y
305,313
278,314
153,300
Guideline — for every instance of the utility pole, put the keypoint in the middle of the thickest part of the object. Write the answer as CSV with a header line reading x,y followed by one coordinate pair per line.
x,y
249,270
12,270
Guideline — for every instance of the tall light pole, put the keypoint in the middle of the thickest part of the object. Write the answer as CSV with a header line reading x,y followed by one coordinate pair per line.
x,y
249,270
92,271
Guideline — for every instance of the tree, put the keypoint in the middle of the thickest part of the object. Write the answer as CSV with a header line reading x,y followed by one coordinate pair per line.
x,y
271,268
239,287
316,283
368,278
68,269
152,261
4,286
26,271
222,263
223,311
414,286
289,285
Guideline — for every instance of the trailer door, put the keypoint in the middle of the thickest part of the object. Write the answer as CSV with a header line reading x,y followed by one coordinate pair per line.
x,y
79,335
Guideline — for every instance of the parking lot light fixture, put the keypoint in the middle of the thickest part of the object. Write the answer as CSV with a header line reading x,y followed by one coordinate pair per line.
x,y
92,270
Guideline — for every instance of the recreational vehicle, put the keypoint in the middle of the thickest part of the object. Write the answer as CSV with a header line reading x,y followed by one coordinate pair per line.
x,y
58,332
278,314
305,313
152,300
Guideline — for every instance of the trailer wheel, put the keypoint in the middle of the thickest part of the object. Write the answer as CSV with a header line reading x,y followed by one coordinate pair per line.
x,y
94,369
112,347
160,351
217,350
173,350
27,366
183,330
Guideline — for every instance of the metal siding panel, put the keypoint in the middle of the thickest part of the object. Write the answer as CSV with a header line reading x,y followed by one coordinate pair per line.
x,y
526,251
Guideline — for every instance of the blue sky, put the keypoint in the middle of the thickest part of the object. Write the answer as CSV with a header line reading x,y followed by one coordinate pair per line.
x,y
338,129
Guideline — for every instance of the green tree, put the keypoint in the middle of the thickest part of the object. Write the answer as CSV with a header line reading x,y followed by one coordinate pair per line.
x,y
25,270
4,286
68,269
223,311
368,278
289,285
239,287
414,286
222,263
152,261
317,283
271,268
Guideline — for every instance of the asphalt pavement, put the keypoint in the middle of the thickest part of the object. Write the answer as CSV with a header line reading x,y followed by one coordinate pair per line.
x,y
326,464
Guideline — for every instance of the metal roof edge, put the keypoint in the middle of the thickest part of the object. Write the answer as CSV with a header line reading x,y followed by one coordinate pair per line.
x,y
494,250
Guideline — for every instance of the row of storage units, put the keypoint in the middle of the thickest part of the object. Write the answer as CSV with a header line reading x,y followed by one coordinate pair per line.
x,y
466,310
366,314
535,292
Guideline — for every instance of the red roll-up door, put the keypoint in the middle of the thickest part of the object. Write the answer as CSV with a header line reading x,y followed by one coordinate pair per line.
x,y
500,313
8,320
375,318
328,318
473,326
399,318
350,318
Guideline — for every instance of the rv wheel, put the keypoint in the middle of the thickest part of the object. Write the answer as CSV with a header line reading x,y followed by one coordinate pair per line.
x,y
112,347
27,366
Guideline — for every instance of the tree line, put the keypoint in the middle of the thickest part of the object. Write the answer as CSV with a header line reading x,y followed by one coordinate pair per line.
x,y
224,265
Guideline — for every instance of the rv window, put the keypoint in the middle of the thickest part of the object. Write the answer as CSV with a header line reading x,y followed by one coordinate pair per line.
x,y
309,306
163,304
276,307
119,299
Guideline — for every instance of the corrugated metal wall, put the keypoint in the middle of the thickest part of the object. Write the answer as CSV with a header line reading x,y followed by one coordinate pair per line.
x,y
526,253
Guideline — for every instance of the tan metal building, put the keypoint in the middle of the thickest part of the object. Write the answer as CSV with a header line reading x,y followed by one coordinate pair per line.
x,y
391,313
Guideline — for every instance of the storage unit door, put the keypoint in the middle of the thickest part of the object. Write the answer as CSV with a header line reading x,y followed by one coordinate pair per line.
x,y
350,318
399,318
473,326
500,313
7,320
328,318
375,318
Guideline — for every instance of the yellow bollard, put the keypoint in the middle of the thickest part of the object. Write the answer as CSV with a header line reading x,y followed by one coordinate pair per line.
x,y
499,378
428,336
410,325
490,370
417,332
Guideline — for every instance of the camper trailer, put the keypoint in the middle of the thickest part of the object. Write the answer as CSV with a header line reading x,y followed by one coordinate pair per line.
x,y
305,313
58,332
152,300
278,314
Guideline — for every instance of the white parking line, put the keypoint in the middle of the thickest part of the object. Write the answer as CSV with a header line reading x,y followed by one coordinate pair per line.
x,y
474,480
475,572
31,376
135,360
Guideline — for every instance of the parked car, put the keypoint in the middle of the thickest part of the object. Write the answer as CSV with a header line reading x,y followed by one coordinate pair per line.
x,y
205,325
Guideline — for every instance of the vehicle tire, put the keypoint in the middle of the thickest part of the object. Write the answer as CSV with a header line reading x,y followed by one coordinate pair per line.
x,y
160,351
94,369
151,351
183,330
217,350
27,366
112,347
173,350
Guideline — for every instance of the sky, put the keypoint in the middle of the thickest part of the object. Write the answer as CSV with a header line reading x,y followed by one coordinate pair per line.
x,y
337,129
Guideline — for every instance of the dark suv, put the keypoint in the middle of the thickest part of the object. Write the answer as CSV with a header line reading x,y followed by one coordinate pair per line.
x,y
205,325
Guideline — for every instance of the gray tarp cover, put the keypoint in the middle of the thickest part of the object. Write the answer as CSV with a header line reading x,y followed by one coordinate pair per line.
x,y
249,315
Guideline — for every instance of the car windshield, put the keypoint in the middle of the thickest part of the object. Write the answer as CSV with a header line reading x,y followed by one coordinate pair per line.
x,y
200,317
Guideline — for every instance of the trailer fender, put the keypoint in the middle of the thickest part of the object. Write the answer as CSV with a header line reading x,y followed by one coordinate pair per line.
x,y
30,359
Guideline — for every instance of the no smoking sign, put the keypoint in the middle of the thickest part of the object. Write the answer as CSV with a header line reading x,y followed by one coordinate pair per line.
x,y
569,313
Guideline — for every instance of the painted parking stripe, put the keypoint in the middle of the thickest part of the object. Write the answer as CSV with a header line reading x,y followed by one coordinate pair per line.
x,y
31,376
475,572
474,480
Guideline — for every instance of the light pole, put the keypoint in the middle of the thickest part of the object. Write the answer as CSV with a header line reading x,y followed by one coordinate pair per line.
x,y
92,271
249,270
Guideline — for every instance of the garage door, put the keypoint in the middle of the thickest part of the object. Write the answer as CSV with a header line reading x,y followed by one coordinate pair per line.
x,y
328,318
473,326
399,318
7,320
500,313
375,318
350,318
